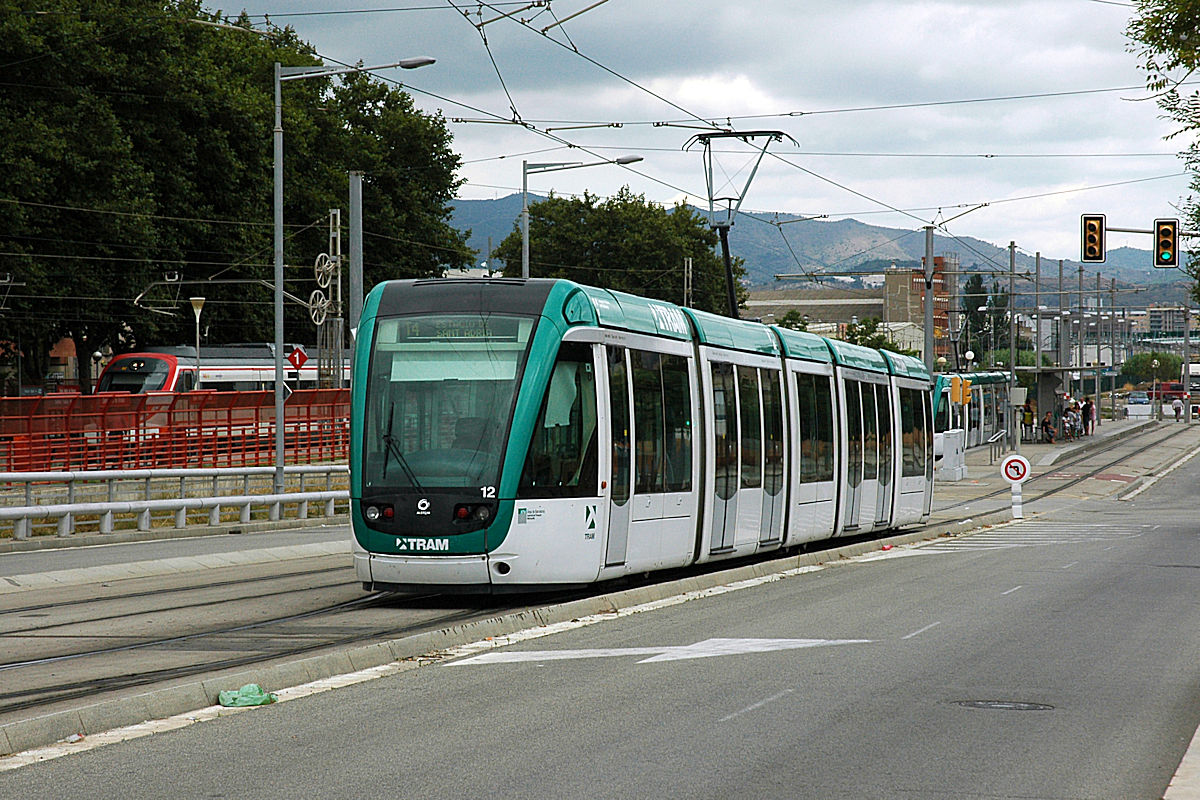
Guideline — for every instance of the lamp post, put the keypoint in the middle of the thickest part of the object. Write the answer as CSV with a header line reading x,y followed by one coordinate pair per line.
x,y
282,74
1154,391
527,169
197,305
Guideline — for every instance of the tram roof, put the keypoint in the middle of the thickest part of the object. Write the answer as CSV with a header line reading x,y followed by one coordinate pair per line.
x,y
735,334
803,345
906,366
638,314
857,356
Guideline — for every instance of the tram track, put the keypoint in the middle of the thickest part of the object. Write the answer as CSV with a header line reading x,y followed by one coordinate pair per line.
x,y
1041,478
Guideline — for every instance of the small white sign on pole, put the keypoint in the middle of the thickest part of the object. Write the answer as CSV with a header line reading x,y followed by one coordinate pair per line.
x,y
1015,470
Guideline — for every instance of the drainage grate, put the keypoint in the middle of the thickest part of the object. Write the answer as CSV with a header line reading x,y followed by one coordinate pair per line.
x,y
1004,705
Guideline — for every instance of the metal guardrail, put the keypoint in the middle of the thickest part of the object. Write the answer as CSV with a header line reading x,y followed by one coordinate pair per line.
x,y
68,496
998,444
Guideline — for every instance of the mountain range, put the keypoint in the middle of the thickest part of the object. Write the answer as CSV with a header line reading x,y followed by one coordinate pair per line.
x,y
780,244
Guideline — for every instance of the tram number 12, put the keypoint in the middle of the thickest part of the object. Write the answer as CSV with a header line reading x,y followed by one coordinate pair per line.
x,y
489,492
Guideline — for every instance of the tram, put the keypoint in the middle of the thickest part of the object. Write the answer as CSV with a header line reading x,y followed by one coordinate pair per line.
x,y
227,368
510,435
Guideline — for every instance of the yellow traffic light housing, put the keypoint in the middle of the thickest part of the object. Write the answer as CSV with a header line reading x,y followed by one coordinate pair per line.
x,y
966,391
1093,239
1166,242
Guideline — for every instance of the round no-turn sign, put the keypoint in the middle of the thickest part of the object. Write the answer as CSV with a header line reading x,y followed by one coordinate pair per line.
x,y
1015,468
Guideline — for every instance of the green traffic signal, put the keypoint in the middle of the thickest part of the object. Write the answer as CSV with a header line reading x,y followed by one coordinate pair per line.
x,y
1166,235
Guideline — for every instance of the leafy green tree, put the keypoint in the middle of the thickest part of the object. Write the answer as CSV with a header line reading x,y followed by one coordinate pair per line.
x,y
1163,34
623,243
975,297
794,320
139,144
868,334
1139,367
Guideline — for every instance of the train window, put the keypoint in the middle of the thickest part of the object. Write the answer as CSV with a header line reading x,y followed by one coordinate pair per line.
x,y
647,421
443,388
677,416
884,406
561,461
725,430
618,404
854,433
816,428
911,424
772,432
927,434
751,418
870,432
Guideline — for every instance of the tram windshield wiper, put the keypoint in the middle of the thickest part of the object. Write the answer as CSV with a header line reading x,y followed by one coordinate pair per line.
x,y
393,449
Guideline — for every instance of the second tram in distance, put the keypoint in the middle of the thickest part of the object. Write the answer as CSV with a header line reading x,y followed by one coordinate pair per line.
x,y
516,434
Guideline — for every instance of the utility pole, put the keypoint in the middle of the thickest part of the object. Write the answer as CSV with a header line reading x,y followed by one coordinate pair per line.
x,y
1013,431
356,257
929,357
1082,331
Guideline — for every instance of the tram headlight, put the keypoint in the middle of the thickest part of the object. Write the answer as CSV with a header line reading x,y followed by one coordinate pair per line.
x,y
372,513
483,513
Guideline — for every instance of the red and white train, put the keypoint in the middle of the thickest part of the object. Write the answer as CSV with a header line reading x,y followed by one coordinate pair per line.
x,y
227,368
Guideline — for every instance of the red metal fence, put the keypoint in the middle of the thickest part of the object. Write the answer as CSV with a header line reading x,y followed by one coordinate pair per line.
x,y
163,430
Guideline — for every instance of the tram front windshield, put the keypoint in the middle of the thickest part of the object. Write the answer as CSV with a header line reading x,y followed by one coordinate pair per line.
x,y
440,397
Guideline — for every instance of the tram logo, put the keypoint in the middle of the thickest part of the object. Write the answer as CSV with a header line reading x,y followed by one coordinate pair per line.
x,y
589,519
412,544
423,506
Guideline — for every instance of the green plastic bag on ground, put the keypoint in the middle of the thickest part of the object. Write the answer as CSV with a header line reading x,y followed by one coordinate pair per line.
x,y
249,695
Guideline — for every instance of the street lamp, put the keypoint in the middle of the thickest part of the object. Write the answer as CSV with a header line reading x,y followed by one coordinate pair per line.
x,y
197,304
282,74
527,169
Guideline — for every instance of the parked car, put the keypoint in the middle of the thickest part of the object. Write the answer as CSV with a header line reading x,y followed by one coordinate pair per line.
x,y
1137,398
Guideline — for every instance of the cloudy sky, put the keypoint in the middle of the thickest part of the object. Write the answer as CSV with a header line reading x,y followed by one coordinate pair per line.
x,y
890,108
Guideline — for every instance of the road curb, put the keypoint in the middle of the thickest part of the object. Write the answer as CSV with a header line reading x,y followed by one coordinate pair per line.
x,y
21,735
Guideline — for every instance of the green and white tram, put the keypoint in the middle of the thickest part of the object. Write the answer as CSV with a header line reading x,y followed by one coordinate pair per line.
x,y
520,434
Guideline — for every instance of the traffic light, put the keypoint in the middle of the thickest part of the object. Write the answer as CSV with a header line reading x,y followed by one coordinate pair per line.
x,y
1093,239
1166,243
966,391
956,389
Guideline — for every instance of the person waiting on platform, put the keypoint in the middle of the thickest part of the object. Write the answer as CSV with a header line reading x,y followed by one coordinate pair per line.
x,y
1027,420
1177,407
1048,428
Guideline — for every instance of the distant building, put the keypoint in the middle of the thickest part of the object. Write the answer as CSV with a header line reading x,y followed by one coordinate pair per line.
x,y
899,305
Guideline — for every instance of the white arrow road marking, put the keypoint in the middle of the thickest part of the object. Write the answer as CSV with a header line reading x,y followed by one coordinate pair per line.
x,y
708,648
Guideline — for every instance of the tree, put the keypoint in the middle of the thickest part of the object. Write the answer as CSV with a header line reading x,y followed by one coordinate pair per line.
x,y
623,243
975,321
867,334
793,320
1163,34
1139,367
138,144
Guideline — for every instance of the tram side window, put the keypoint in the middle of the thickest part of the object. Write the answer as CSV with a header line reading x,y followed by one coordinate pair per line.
x,y
885,435
618,406
912,423
751,428
677,415
725,430
561,461
647,421
854,433
927,434
870,432
773,431
816,427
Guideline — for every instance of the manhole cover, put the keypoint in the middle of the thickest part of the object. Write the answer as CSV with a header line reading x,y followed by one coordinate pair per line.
x,y
1004,705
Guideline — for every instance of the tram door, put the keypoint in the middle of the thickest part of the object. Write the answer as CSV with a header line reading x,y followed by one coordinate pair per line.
x,y
854,454
619,479
883,507
725,454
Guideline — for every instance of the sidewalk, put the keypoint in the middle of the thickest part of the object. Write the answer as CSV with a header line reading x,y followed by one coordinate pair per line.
x,y
952,500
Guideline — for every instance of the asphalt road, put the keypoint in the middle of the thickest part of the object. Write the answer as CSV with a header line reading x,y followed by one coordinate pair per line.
x,y
1057,658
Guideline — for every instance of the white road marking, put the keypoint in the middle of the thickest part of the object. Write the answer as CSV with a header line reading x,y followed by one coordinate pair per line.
x,y
1010,591
758,705
709,648
922,630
